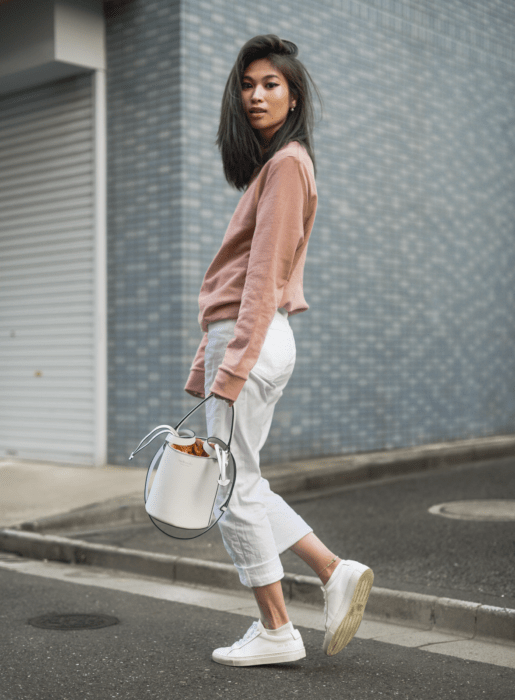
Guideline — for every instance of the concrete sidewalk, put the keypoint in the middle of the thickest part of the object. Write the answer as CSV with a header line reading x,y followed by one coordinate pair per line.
x,y
39,502
30,491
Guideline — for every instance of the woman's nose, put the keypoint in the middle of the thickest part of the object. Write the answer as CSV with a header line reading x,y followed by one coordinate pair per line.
x,y
257,93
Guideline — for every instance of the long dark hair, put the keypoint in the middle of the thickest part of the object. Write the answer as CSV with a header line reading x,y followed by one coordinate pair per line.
x,y
240,145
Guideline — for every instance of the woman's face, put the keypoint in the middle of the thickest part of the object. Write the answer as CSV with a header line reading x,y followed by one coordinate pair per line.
x,y
265,88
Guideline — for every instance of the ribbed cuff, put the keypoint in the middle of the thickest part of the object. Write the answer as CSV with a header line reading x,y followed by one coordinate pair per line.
x,y
195,383
227,385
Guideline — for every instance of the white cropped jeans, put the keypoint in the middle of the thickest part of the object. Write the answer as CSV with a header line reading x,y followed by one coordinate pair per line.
x,y
258,525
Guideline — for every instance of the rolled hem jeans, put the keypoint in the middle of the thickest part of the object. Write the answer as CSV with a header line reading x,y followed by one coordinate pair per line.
x,y
258,525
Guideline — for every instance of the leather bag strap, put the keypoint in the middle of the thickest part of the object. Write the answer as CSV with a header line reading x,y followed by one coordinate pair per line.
x,y
228,447
161,429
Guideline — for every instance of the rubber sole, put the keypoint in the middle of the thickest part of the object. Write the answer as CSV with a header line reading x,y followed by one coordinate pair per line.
x,y
352,620
260,660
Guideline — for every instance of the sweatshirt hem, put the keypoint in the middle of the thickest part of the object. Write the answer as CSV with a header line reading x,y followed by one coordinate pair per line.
x,y
226,312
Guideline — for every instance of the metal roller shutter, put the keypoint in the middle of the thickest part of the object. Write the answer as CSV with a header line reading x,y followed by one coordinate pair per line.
x,y
47,258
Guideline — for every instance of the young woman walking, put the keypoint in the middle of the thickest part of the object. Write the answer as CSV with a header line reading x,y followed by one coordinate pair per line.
x,y
247,353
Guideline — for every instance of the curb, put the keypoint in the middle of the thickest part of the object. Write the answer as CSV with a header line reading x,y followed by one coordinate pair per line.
x,y
467,619
290,479
328,472
121,510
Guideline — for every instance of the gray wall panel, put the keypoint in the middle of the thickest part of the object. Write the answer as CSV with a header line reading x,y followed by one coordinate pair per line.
x,y
47,243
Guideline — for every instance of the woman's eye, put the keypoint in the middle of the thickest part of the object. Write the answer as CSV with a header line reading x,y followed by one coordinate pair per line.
x,y
245,85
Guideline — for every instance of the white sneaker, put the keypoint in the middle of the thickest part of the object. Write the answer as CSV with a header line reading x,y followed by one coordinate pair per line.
x,y
346,594
259,646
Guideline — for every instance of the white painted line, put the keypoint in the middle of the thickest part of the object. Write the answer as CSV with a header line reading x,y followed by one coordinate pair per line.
x,y
243,603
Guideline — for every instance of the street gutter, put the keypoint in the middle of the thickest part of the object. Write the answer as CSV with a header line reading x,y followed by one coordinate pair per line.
x,y
293,480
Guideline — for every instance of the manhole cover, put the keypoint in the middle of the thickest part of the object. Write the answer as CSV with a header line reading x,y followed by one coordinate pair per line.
x,y
498,510
73,621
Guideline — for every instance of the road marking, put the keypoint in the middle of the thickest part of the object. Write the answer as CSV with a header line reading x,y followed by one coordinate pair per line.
x,y
243,603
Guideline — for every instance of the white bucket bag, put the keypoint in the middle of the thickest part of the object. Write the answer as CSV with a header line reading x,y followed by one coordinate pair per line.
x,y
189,493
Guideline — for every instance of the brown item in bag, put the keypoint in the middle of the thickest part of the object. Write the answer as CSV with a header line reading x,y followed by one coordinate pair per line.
x,y
197,449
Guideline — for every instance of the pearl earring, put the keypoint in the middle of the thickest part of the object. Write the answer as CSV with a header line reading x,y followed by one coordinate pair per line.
x,y
292,109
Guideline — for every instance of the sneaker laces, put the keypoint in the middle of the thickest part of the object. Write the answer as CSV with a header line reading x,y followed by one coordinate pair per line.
x,y
248,633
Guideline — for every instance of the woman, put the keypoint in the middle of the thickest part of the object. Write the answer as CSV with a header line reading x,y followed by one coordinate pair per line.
x,y
247,353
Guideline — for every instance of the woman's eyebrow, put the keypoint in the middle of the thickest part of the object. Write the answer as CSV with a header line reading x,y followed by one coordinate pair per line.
x,y
248,77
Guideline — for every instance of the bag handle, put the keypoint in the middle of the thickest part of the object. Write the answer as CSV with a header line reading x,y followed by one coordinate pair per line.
x,y
168,429
228,447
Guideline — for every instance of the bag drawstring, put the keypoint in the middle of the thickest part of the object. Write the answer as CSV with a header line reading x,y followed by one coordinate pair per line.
x,y
175,431
168,429
221,455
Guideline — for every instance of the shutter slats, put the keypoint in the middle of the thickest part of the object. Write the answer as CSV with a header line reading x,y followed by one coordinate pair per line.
x,y
48,190
40,158
13,272
47,206
51,175
63,227
76,215
47,296
37,336
53,99
78,158
52,119
67,363
50,141
45,233
37,247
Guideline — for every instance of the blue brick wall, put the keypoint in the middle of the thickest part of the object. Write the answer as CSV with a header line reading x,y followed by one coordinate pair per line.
x,y
145,323
411,264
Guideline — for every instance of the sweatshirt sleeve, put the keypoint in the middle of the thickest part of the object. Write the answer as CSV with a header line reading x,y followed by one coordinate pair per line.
x,y
278,234
195,383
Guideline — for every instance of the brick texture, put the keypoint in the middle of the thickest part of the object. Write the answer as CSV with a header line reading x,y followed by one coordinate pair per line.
x,y
410,273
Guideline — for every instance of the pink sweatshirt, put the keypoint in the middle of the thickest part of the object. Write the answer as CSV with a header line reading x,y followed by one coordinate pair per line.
x,y
259,267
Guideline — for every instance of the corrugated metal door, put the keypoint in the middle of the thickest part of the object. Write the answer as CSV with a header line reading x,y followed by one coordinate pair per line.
x,y
47,246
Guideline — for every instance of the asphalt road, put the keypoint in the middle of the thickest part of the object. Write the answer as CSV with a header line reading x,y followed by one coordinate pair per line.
x,y
387,526
162,650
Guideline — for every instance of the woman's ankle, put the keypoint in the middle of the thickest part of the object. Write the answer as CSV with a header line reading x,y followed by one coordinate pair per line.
x,y
275,625
326,573
270,600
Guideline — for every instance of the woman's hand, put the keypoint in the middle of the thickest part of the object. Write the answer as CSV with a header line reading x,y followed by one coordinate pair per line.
x,y
223,399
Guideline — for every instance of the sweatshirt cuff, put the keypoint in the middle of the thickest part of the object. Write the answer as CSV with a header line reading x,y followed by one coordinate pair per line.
x,y
227,385
195,383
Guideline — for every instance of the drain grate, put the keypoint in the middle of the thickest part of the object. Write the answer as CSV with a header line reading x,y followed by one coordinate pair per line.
x,y
73,621
494,510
